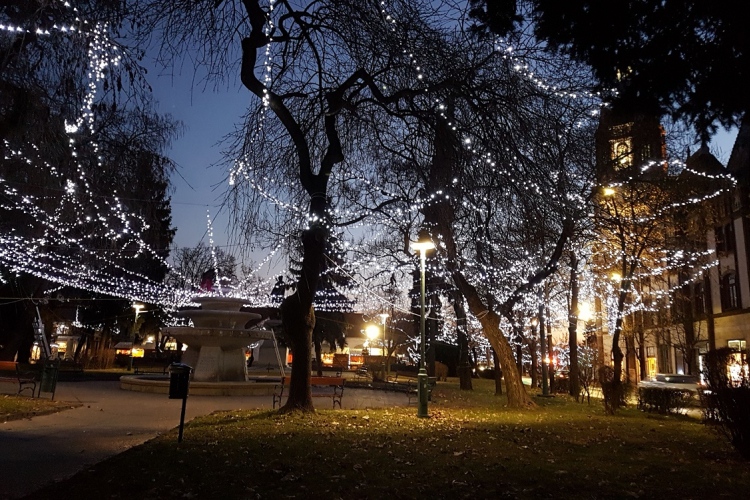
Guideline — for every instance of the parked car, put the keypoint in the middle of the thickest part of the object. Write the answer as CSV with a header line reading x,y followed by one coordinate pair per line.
x,y
672,381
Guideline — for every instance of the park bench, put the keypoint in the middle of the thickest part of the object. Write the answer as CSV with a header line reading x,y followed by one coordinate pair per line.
x,y
401,380
404,381
10,371
150,367
321,387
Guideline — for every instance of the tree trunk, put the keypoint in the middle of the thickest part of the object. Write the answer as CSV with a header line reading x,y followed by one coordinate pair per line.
x,y
439,217
642,354
573,313
490,321
431,334
519,350
630,360
534,362
298,326
318,361
616,351
498,375
464,367
298,316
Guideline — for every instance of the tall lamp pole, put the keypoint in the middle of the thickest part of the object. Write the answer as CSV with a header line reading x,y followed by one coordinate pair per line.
x,y
422,247
543,349
137,308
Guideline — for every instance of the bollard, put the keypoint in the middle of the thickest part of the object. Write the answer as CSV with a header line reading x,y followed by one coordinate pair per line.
x,y
179,383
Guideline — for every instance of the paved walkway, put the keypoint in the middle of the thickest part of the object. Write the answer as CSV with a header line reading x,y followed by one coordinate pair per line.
x,y
35,451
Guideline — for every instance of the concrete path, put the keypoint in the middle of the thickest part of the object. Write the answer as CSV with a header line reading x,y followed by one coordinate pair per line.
x,y
36,451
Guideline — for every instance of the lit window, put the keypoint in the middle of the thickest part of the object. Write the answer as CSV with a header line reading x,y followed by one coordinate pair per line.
x,y
730,294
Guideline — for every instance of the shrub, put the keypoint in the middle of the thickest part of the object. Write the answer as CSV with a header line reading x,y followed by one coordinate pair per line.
x,y
614,396
663,399
726,401
561,385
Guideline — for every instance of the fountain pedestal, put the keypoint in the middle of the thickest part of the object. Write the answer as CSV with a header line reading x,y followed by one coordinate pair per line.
x,y
217,354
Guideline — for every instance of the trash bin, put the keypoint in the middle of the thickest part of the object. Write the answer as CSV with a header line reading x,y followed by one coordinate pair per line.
x,y
49,376
179,380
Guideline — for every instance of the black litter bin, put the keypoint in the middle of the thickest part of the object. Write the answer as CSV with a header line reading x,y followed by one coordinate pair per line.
x,y
179,380
49,376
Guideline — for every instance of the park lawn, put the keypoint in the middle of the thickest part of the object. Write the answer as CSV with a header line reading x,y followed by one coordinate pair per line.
x,y
14,407
471,447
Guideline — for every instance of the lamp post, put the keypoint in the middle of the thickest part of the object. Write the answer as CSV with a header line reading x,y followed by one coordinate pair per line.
x,y
542,349
422,247
137,308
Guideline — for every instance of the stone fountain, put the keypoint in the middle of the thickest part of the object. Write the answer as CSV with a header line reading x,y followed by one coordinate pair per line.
x,y
218,340
216,350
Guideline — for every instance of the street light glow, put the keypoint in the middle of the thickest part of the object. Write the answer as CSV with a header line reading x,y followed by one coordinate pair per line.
x,y
423,246
372,331
584,312
609,191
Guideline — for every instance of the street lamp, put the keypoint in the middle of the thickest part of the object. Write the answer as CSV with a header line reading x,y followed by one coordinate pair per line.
x,y
422,247
584,312
372,331
542,348
137,308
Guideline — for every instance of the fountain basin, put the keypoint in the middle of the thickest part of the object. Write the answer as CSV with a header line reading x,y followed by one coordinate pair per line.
x,y
209,318
219,303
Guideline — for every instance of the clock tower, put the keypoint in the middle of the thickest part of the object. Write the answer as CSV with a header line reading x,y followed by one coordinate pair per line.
x,y
625,140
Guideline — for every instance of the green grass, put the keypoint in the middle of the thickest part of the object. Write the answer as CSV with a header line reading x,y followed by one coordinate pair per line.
x,y
471,447
17,407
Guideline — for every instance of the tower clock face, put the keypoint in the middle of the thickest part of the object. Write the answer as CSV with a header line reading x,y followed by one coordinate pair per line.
x,y
622,154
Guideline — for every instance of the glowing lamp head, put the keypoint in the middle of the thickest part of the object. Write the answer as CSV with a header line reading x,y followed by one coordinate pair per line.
x,y
608,191
138,307
584,312
534,321
423,246
372,331
383,317
616,277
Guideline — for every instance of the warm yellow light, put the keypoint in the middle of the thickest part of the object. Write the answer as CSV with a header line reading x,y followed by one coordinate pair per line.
x,y
546,361
609,191
372,331
534,321
423,246
616,277
584,312
138,307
